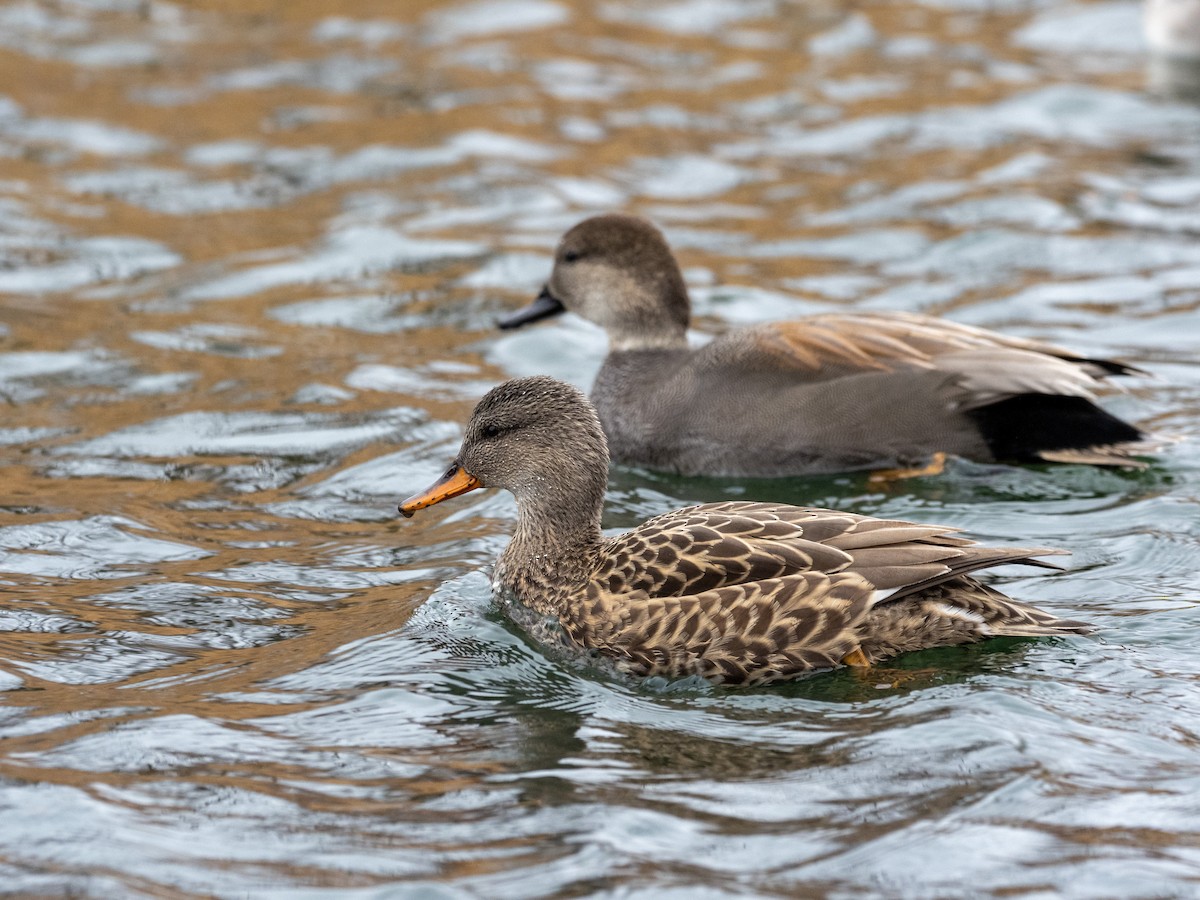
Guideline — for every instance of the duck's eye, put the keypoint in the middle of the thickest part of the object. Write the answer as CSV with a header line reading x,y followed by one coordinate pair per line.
x,y
570,256
489,430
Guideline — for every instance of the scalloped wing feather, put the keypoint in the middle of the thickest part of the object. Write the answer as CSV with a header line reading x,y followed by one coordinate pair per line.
x,y
747,593
702,548
746,634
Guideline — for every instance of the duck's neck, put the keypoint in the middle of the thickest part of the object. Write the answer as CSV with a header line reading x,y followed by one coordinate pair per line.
x,y
660,336
554,549
648,313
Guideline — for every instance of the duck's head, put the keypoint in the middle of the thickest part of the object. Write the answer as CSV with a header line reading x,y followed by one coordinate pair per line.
x,y
618,272
536,437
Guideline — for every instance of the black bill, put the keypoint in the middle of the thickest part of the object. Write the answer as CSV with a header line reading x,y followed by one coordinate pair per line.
x,y
543,306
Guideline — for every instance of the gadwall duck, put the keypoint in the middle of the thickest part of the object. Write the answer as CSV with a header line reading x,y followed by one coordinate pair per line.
x,y
738,593
820,394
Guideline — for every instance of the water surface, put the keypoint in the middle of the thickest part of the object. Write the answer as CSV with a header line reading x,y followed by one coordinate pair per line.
x,y
252,258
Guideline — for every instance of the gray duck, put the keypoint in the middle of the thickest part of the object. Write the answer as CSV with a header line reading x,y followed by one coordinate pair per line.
x,y
738,593
825,393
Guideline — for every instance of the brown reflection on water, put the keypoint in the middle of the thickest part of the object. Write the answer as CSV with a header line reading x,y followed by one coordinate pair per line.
x,y
238,579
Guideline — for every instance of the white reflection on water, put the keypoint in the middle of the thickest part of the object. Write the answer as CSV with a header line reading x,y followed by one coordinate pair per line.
x,y
347,254
233,241
215,433
98,547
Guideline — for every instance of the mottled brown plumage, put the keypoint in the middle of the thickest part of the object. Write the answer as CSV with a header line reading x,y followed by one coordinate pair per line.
x,y
737,593
824,393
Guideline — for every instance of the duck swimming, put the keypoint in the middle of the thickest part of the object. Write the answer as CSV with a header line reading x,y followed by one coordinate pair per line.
x,y
825,393
738,593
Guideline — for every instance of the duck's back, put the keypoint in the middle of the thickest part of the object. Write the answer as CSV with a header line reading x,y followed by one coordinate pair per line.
x,y
724,409
836,393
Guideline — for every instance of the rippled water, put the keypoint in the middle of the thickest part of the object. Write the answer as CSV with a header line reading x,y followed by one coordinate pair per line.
x,y
251,259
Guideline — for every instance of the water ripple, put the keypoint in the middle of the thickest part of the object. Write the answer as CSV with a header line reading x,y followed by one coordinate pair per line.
x,y
251,262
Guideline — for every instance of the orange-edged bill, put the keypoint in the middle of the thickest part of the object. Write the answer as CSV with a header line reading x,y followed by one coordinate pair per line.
x,y
457,480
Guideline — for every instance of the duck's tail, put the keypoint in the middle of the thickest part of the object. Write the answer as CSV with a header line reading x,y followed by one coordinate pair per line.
x,y
1044,625
960,611
1058,428
999,615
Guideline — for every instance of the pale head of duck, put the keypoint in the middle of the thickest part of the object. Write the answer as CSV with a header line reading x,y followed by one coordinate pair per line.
x,y
618,272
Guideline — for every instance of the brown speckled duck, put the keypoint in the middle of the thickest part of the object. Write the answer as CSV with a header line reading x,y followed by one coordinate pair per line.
x,y
737,593
825,393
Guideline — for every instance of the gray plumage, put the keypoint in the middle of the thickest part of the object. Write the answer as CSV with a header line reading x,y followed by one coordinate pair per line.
x,y
825,393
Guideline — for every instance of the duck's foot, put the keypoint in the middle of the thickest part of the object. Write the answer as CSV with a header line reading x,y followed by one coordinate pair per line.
x,y
881,678
856,658
935,466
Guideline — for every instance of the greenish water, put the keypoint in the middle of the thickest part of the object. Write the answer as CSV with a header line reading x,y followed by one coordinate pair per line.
x,y
252,256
